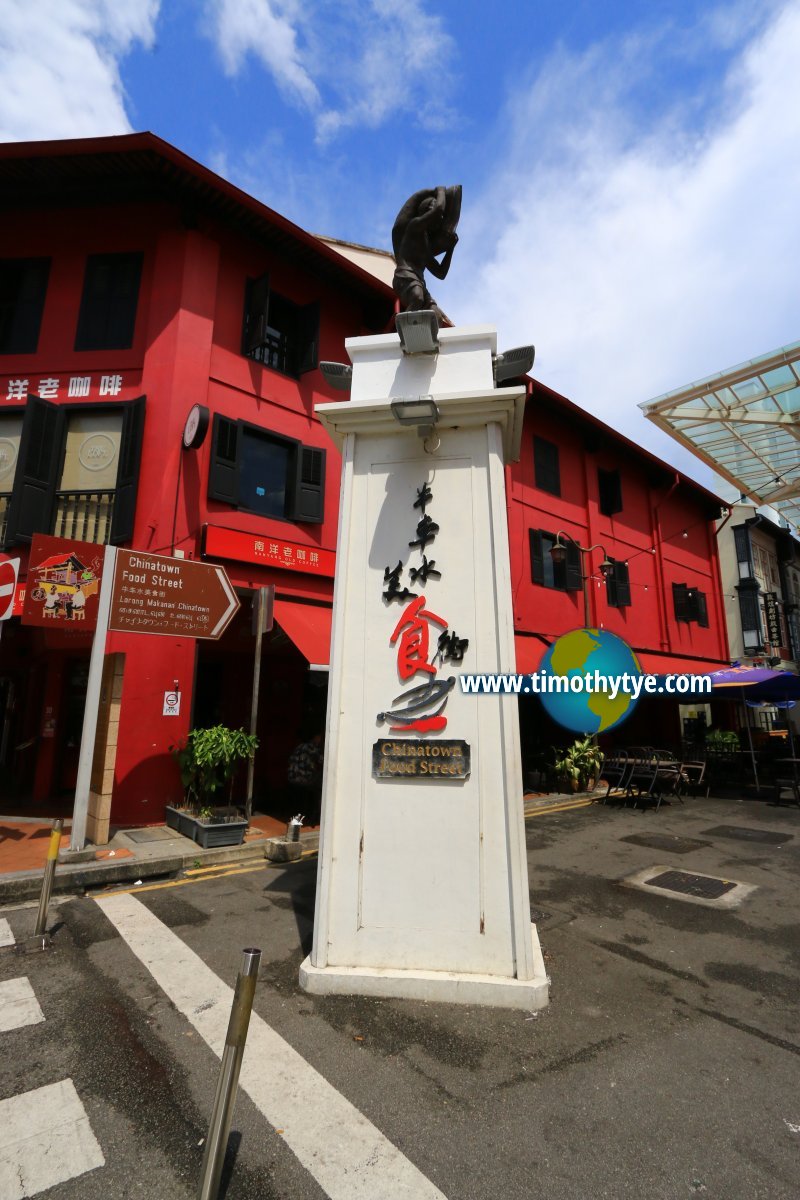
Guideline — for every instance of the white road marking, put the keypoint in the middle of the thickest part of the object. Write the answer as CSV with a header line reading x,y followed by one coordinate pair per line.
x,y
45,1139
6,936
349,1158
18,1004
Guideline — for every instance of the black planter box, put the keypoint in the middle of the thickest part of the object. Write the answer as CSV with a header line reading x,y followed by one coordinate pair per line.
x,y
207,833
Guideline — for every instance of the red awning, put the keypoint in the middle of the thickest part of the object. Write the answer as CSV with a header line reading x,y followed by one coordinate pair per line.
x,y
667,664
309,627
530,652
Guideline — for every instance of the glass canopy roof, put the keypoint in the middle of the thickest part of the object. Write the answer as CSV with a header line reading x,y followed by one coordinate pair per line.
x,y
745,423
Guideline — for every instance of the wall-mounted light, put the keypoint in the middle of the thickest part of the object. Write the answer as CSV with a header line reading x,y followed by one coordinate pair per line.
x,y
513,363
337,375
419,331
419,412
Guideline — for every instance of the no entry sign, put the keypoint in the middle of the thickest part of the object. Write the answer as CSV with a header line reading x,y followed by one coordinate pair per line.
x,y
9,570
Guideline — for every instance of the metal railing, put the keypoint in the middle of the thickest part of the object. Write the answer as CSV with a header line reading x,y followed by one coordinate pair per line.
x,y
85,516
278,352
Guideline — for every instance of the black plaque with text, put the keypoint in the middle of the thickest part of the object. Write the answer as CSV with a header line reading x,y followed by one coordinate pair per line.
x,y
405,758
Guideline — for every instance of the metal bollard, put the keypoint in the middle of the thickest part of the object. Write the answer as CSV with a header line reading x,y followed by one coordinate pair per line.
x,y
49,874
225,1099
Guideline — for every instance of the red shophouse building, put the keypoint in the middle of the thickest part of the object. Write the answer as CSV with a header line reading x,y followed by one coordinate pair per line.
x,y
136,284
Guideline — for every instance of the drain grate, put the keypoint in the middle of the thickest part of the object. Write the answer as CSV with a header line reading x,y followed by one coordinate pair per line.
x,y
157,834
705,886
744,834
665,841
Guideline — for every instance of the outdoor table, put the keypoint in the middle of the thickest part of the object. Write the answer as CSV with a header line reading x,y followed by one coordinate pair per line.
x,y
794,782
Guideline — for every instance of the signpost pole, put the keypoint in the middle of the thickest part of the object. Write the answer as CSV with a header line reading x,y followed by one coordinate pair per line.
x,y
264,602
83,784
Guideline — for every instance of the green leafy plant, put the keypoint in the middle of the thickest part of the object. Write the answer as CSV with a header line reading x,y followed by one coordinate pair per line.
x,y
578,765
207,761
722,741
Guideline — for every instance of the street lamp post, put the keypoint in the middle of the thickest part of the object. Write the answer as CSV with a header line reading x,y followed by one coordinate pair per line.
x,y
558,553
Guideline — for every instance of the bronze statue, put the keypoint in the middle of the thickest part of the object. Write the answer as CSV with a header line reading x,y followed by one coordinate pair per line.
x,y
424,229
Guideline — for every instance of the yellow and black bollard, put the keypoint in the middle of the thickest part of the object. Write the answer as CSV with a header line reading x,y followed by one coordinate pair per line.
x,y
49,875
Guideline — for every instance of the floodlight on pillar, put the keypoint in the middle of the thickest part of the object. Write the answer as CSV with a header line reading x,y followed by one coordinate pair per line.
x,y
337,375
419,331
419,412
513,363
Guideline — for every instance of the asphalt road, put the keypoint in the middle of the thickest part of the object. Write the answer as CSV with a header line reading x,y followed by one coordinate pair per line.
x,y
666,1065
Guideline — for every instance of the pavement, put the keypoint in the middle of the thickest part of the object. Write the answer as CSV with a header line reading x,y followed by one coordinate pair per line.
x,y
157,852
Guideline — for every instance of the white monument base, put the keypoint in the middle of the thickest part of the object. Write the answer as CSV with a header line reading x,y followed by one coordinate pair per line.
x,y
447,987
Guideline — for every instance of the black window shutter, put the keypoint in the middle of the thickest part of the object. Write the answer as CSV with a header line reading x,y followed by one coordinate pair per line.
x,y
618,588
308,337
680,598
223,473
23,285
107,317
573,577
701,609
546,469
256,311
749,611
741,537
537,556
130,456
309,490
40,451
609,487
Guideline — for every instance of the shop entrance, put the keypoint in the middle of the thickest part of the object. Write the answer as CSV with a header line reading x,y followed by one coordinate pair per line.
x,y
292,702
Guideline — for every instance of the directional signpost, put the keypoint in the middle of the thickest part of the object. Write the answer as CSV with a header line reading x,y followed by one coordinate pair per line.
x,y
147,593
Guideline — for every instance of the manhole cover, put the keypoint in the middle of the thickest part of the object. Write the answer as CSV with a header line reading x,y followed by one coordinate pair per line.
x,y
665,841
705,886
158,834
742,833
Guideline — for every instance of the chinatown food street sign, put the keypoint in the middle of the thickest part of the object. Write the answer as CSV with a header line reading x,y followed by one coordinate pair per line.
x,y
410,759
176,597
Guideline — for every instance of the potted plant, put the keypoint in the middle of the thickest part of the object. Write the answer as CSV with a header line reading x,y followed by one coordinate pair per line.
x,y
578,767
207,761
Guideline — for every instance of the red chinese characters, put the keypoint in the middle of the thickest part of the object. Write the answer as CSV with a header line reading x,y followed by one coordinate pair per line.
x,y
413,631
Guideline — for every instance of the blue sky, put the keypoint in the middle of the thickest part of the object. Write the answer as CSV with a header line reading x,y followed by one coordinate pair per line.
x,y
630,170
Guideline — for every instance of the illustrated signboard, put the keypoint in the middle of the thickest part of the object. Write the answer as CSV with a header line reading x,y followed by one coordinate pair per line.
x,y
175,597
63,583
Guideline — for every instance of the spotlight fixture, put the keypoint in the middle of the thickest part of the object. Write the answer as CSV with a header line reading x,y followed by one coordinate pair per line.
x,y
337,375
419,412
419,331
513,363
684,534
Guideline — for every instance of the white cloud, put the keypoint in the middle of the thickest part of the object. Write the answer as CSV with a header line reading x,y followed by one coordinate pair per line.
x,y
59,73
352,65
639,258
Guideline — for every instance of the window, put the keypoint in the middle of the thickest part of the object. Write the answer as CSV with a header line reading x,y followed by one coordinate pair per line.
x,y
564,576
108,304
618,587
744,555
750,616
23,283
266,473
546,472
690,604
10,434
77,472
277,332
609,488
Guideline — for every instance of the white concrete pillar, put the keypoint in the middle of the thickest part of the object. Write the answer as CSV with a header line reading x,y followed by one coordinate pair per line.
x,y
423,883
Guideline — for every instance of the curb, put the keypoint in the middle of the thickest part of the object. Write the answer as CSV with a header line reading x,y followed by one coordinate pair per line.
x,y
77,877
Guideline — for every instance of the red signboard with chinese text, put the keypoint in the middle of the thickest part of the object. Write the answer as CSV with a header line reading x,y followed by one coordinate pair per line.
x,y
69,385
267,551
63,585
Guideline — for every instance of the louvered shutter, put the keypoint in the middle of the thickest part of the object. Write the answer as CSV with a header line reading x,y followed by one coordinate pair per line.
x,y
40,453
223,473
573,577
130,456
701,609
537,556
308,337
680,598
309,491
618,585
256,310
546,469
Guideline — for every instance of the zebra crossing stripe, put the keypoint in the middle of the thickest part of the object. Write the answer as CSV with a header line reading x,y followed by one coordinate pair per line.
x,y
347,1155
6,936
18,1005
45,1139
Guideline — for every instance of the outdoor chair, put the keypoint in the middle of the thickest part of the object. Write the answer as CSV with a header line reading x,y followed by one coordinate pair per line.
x,y
616,772
694,774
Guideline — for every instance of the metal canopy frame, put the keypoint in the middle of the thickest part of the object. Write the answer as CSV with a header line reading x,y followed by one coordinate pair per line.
x,y
745,424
